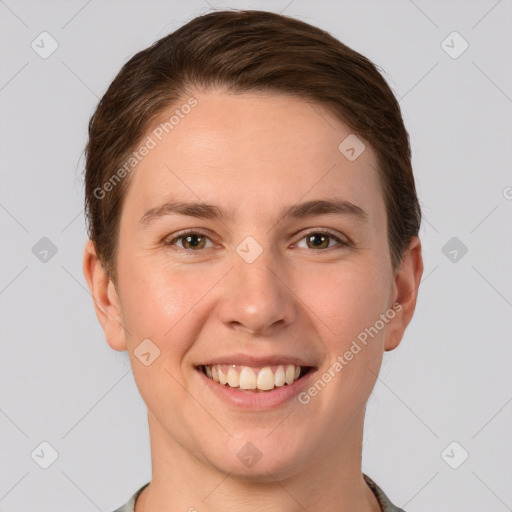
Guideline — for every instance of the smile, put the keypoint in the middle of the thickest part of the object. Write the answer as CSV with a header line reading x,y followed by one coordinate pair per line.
x,y
256,379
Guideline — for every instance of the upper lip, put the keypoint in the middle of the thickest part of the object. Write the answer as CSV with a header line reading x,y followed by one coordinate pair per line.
x,y
255,361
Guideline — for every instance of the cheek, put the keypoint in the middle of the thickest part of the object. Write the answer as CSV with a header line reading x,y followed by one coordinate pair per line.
x,y
156,296
350,307
346,299
161,305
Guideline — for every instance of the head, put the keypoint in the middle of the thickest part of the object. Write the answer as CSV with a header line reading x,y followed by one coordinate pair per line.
x,y
302,248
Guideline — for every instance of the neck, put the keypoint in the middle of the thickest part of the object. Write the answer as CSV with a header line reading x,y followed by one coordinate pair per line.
x,y
331,481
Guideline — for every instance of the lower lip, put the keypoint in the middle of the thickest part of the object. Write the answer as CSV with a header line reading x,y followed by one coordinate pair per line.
x,y
251,400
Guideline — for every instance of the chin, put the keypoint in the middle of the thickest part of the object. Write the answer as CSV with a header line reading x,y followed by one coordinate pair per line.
x,y
258,458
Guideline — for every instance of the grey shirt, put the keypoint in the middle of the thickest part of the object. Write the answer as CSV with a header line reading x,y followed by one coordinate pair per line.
x,y
383,500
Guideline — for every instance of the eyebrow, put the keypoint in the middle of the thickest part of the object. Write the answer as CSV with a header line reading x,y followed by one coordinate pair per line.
x,y
210,211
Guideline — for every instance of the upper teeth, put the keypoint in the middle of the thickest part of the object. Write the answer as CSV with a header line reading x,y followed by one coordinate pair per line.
x,y
246,377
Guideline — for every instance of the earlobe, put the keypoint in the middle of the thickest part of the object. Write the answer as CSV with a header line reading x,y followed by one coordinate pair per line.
x,y
105,298
407,281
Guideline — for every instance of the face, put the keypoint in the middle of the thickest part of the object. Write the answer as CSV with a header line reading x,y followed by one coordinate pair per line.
x,y
271,280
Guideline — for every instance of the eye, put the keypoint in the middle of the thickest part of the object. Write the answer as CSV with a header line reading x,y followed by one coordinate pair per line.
x,y
191,240
317,239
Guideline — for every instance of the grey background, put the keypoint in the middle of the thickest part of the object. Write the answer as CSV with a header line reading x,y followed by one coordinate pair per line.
x,y
450,379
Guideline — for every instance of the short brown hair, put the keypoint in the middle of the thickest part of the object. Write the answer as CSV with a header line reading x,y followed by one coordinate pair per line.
x,y
244,51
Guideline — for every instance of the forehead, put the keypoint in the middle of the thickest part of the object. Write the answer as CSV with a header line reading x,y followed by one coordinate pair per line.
x,y
253,151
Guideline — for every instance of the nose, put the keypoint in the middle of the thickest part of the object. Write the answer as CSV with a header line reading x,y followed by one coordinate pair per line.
x,y
257,297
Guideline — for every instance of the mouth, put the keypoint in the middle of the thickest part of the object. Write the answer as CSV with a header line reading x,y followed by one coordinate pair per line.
x,y
255,379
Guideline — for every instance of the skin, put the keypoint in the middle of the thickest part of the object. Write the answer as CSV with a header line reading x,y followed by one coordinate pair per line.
x,y
254,154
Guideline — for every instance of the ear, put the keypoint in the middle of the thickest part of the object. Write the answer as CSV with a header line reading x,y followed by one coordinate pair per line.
x,y
407,281
106,300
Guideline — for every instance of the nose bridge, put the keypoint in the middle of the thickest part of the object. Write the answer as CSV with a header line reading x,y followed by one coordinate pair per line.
x,y
256,297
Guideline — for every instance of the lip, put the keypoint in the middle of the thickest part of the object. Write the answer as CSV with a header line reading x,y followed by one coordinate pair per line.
x,y
257,401
249,360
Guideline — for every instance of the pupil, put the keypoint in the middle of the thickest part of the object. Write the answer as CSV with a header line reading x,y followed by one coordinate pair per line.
x,y
192,237
321,238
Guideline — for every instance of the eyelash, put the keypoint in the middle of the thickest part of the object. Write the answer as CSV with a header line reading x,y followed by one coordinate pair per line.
x,y
330,234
